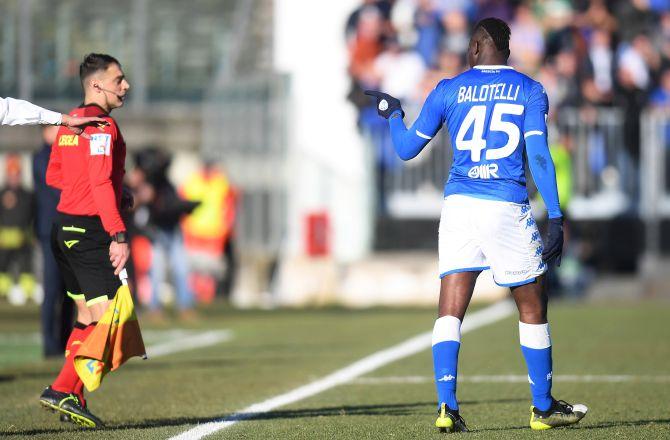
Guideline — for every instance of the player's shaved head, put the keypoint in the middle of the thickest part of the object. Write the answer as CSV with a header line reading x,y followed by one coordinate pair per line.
x,y
489,43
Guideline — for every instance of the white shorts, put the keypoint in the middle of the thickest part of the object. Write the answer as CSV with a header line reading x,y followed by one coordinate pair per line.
x,y
479,234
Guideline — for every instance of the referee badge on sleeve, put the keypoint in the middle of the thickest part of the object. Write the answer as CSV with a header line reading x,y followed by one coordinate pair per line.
x,y
101,144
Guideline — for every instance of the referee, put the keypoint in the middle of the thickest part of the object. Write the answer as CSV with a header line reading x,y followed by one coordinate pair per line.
x,y
88,237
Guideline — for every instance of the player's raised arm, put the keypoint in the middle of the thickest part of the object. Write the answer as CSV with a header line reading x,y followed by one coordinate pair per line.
x,y
542,169
19,112
409,143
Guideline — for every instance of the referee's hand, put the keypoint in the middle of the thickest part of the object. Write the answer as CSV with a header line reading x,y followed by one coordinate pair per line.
x,y
118,255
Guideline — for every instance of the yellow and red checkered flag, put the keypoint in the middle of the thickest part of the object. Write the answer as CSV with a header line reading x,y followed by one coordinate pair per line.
x,y
115,339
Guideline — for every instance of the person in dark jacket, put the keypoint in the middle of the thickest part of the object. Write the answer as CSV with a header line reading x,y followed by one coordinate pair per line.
x,y
57,308
165,210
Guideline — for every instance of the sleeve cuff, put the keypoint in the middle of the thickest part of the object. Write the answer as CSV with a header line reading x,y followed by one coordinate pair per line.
x,y
51,118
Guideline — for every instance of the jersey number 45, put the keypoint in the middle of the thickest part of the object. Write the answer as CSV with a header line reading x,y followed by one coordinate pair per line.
x,y
477,117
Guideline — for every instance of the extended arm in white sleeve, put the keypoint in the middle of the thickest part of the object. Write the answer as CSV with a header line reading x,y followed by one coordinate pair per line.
x,y
18,112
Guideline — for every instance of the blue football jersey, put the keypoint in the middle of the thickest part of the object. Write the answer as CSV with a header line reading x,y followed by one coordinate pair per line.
x,y
489,111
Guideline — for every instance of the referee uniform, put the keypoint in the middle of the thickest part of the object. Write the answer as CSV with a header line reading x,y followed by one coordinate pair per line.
x,y
89,173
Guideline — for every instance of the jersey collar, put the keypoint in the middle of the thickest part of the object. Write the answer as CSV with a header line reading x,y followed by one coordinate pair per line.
x,y
84,105
492,67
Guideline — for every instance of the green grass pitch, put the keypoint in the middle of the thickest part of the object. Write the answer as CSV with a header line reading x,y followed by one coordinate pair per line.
x,y
272,352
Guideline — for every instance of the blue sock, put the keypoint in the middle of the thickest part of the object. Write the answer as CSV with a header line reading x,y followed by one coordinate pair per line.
x,y
446,343
536,348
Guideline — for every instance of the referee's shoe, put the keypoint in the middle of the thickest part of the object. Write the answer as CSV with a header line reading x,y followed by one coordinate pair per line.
x,y
69,405
560,413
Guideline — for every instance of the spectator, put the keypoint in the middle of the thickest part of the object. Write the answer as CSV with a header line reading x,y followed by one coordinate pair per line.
x,y
428,24
57,312
16,218
598,87
457,35
399,70
660,97
527,40
208,231
165,210
364,42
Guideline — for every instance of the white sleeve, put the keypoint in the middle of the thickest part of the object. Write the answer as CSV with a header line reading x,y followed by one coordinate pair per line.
x,y
18,112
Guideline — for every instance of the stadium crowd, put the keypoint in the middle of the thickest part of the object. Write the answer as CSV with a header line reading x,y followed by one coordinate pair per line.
x,y
587,54
597,52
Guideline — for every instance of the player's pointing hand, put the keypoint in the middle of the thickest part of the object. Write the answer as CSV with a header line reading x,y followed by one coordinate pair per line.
x,y
77,124
386,104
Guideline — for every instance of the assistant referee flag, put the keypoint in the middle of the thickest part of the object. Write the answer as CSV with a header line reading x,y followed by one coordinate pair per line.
x,y
115,339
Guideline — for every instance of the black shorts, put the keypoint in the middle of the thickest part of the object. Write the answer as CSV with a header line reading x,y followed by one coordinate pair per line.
x,y
81,247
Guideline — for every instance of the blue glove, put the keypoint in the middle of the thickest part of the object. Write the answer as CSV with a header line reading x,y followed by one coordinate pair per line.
x,y
386,104
554,242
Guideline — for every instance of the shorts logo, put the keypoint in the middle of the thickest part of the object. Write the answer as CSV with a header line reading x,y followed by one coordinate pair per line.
x,y
535,236
101,144
516,272
70,243
485,171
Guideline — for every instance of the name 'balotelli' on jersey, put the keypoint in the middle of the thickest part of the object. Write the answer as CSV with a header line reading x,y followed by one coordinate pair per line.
x,y
489,110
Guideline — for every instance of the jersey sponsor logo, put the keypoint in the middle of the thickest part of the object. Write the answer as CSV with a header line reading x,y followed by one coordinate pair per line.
x,y
68,140
101,144
485,171
488,92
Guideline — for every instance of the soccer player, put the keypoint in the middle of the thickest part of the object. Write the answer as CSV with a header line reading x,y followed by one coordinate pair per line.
x,y
88,237
496,118
19,112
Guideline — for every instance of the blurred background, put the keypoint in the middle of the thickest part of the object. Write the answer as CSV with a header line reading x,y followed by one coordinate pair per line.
x,y
263,176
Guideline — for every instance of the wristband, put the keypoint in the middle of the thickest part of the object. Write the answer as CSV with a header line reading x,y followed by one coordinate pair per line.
x,y
120,237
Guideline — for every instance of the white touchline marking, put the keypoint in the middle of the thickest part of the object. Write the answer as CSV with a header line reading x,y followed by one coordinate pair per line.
x,y
516,378
369,363
189,343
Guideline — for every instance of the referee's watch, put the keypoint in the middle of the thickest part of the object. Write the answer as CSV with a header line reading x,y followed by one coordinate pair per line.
x,y
120,237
